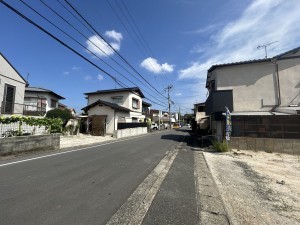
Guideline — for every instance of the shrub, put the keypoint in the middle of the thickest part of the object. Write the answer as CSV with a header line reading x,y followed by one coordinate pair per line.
x,y
220,146
53,124
63,114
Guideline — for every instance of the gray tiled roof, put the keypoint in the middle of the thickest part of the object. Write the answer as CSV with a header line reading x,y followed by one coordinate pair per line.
x,y
133,89
42,90
253,61
112,105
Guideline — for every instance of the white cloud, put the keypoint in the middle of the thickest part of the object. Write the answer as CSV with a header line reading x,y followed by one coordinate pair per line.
x,y
114,35
100,77
153,66
66,73
178,94
99,47
262,22
76,68
88,77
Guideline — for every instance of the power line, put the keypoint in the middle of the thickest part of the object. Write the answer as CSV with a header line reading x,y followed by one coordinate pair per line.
x,y
113,48
146,44
83,45
67,46
123,24
140,43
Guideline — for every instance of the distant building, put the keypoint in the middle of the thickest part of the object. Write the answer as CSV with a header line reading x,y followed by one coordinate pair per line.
x,y
107,108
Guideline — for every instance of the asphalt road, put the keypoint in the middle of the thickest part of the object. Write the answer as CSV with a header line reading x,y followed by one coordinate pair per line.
x,y
80,187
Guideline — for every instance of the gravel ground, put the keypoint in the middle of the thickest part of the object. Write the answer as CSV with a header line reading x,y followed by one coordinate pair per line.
x,y
82,139
258,187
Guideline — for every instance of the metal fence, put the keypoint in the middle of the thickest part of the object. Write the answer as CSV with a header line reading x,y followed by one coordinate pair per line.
x,y
13,129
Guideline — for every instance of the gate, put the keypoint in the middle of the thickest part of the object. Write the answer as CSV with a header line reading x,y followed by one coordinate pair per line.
x,y
98,125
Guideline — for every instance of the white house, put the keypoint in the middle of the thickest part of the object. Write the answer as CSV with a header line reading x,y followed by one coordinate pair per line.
x,y
38,101
12,87
107,108
255,91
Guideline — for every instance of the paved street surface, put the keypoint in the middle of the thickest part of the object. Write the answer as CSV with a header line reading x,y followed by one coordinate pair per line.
x,y
154,179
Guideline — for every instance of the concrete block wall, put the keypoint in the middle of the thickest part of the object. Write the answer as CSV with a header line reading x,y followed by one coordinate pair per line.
x,y
289,146
130,132
18,144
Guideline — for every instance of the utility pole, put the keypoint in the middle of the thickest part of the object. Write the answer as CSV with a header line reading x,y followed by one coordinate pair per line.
x,y
169,103
179,115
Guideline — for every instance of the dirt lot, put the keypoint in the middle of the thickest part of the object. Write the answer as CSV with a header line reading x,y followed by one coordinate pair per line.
x,y
258,187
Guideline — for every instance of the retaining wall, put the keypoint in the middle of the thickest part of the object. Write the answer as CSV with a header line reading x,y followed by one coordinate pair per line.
x,y
18,144
289,146
130,132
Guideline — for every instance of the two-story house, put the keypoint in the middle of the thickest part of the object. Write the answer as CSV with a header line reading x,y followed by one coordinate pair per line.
x,y
146,109
261,94
200,116
12,87
105,108
38,101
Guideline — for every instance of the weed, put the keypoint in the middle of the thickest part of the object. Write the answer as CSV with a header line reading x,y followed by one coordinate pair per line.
x,y
220,146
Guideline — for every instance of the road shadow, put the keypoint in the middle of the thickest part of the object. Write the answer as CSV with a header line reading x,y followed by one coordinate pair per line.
x,y
187,140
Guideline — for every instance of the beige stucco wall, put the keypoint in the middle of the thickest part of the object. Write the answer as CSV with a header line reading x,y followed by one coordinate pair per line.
x,y
108,97
9,76
289,79
105,111
199,115
253,85
112,116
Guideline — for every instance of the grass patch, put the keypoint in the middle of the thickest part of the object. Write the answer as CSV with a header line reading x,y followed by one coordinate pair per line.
x,y
220,146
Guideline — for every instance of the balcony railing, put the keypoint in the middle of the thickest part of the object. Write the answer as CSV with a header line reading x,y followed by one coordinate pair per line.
x,y
28,109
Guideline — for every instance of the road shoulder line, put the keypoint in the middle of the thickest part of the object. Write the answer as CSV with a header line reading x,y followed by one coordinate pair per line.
x,y
135,208
211,209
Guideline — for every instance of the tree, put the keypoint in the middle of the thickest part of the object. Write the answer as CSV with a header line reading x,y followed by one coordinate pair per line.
x,y
63,114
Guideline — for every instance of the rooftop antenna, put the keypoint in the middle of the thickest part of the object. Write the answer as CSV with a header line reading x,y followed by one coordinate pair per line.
x,y
265,46
27,81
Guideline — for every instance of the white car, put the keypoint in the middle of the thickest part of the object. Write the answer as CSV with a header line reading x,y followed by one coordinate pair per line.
x,y
154,126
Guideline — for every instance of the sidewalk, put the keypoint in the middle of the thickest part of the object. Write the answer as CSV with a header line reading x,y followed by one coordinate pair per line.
x,y
188,195
179,191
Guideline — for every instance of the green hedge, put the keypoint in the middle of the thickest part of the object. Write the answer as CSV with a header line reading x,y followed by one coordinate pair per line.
x,y
54,124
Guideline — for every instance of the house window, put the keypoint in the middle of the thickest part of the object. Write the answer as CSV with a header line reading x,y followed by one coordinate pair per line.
x,y
117,99
41,104
135,103
200,109
53,103
8,99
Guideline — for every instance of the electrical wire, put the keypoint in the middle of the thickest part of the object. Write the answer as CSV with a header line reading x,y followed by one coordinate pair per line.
x,y
80,43
65,45
112,47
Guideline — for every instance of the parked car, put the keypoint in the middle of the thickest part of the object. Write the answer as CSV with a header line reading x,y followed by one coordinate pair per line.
x,y
154,126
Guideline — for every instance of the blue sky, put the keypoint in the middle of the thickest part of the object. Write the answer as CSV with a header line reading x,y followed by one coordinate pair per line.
x,y
183,39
